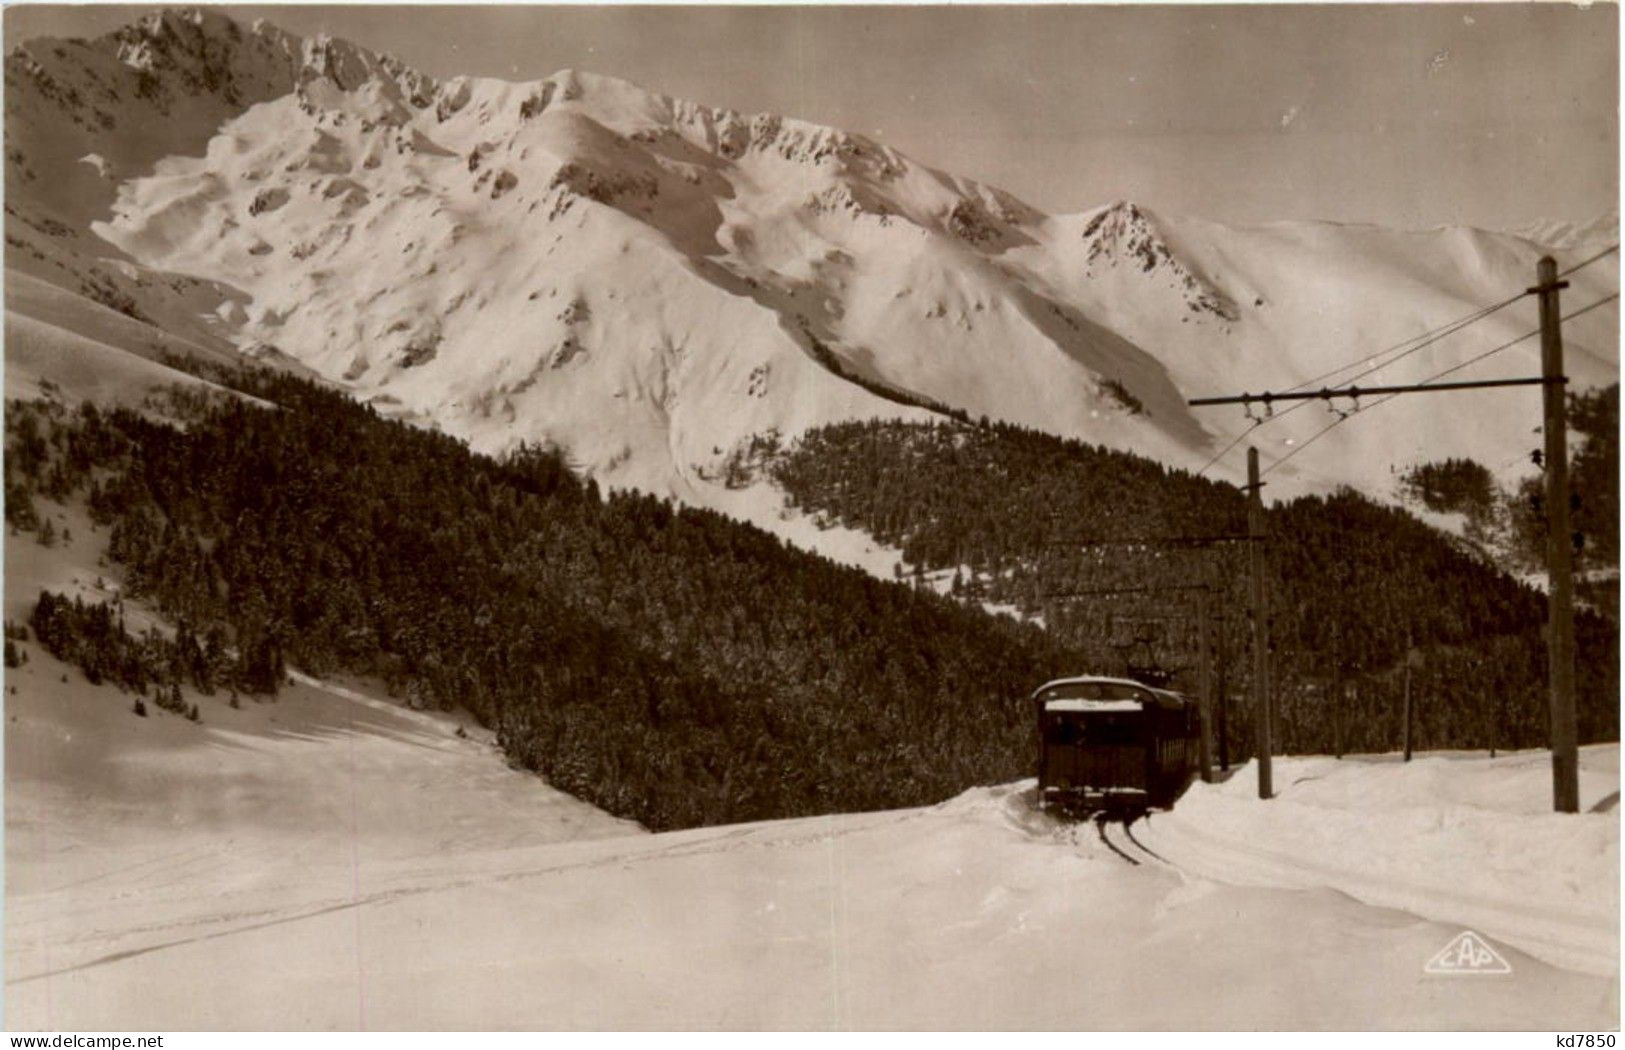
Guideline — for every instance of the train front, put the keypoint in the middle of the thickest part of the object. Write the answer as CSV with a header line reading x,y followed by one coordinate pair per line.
x,y
1095,744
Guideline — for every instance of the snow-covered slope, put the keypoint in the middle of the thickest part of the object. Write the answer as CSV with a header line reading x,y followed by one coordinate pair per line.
x,y
126,830
1570,236
974,914
1453,836
648,282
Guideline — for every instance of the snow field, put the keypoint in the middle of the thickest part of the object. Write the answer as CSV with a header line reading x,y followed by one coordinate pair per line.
x,y
1452,836
333,861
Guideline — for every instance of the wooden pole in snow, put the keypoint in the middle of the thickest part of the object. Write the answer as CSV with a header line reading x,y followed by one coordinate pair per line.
x,y
1559,546
1205,685
1407,730
1261,700
1337,688
1223,699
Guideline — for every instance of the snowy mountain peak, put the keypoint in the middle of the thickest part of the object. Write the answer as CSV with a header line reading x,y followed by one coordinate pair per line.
x,y
1123,234
507,259
189,25
644,280
191,52
350,67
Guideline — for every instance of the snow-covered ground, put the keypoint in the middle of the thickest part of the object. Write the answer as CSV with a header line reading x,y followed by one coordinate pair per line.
x,y
62,345
973,914
1454,836
124,832
333,860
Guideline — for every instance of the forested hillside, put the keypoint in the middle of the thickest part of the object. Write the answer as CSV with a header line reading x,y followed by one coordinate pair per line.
x,y
669,665
677,667
1358,590
1511,525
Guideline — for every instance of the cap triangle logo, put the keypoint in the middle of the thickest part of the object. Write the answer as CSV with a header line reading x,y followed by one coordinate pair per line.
x,y
1468,953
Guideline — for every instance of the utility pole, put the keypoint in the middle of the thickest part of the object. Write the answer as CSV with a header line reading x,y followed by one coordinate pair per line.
x,y
1407,729
1255,551
1559,549
1337,687
1354,691
1205,686
1223,699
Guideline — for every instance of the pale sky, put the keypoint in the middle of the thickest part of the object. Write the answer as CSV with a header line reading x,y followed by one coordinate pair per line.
x,y
1407,115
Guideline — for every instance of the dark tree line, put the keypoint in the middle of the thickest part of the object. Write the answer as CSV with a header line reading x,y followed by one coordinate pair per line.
x,y
1463,486
1513,524
93,637
669,665
1359,591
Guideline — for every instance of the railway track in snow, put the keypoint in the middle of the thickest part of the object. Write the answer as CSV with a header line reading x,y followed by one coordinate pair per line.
x,y
1128,830
1129,848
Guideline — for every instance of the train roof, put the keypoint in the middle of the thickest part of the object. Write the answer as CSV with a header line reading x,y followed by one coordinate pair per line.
x,y
1165,697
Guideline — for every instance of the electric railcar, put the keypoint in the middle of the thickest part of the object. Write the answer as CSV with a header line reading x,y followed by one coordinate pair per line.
x,y
1113,745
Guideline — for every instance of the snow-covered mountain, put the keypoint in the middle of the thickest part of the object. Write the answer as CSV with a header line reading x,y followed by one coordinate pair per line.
x,y
1568,236
649,282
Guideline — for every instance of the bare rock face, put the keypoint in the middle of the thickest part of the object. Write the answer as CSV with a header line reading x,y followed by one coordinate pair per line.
x,y
1125,235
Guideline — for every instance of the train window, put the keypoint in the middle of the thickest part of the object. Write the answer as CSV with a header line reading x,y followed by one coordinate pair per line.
x,y
1072,732
1064,732
1117,732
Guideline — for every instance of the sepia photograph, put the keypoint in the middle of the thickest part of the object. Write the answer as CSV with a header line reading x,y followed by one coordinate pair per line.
x,y
809,518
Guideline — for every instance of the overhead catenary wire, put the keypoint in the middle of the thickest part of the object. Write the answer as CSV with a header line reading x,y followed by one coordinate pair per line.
x,y
1611,249
1404,349
1560,638
1436,376
1605,300
1236,441
1323,431
1400,351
